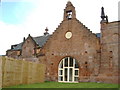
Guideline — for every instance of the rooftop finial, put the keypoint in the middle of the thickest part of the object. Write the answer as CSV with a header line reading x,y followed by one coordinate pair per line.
x,y
102,13
29,35
103,17
46,31
23,39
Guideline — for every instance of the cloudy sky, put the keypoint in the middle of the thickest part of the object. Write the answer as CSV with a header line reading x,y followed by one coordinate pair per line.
x,y
18,18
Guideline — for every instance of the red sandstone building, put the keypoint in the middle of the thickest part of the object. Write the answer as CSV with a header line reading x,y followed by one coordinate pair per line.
x,y
73,53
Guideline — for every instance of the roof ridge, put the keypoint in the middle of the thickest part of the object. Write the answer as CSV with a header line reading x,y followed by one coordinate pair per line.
x,y
42,36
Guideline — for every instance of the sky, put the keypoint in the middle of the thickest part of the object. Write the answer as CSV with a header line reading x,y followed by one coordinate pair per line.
x,y
18,18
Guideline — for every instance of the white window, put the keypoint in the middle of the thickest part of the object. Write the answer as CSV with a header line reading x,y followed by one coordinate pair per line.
x,y
68,70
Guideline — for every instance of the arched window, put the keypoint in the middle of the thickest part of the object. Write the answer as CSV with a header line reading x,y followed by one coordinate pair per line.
x,y
68,70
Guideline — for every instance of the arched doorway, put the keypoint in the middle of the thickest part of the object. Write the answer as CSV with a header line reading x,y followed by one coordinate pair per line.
x,y
68,70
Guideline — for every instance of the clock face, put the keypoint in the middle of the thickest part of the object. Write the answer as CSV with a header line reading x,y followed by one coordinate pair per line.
x,y
68,35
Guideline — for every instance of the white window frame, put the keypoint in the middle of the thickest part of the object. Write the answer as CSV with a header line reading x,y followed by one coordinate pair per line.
x,y
68,67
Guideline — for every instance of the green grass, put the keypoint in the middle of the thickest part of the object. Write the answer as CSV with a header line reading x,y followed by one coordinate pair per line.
x,y
66,85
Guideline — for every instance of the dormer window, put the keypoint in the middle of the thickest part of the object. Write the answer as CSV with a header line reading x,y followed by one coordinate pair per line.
x,y
69,14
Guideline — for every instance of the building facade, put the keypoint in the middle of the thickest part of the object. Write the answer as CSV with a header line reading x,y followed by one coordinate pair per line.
x,y
73,53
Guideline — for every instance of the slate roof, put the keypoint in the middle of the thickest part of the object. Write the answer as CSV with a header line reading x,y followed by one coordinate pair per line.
x,y
18,46
98,35
41,40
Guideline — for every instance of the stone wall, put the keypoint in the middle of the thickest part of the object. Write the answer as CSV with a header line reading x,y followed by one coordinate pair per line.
x,y
109,52
13,53
28,48
84,46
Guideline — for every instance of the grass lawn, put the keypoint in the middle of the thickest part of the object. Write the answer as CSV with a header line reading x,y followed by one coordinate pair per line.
x,y
66,85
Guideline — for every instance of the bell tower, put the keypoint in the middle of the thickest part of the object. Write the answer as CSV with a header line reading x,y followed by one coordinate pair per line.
x,y
69,11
